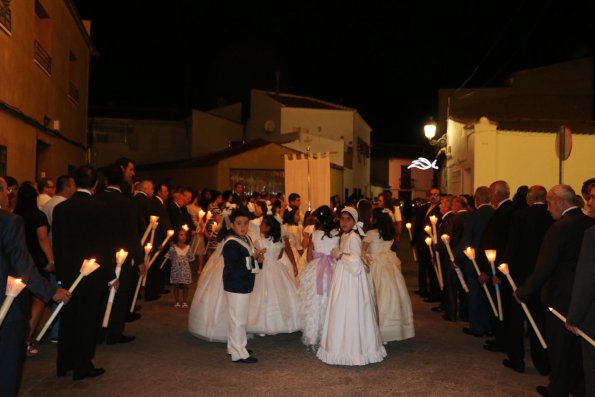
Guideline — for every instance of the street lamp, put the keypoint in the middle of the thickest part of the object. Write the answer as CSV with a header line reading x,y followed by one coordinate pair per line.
x,y
430,133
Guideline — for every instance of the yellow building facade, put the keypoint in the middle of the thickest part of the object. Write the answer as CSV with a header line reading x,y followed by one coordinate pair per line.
x,y
45,51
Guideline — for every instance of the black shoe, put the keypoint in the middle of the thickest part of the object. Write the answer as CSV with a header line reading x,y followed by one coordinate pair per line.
x,y
468,331
432,300
164,291
437,309
137,308
89,374
119,339
249,360
543,391
494,348
491,342
63,371
516,366
151,298
420,292
130,317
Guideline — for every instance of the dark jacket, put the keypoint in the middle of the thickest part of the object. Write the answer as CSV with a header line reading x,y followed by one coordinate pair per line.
x,y
582,304
473,228
238,262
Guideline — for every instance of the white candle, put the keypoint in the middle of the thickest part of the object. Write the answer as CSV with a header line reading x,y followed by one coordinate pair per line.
x,y
434,220
428,230
120,258
408,226
209,215
446,239
504,269
470,253
428,241
185,227
170,233
491,255
201,214
14,286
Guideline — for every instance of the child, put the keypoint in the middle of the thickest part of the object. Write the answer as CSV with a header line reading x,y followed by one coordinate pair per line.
x,y
239,268
394,305
292,235
180,256
315,279
350,335
273,302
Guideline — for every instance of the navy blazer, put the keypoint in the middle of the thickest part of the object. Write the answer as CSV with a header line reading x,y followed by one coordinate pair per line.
x,y
16,261
473,228
238,264
582,305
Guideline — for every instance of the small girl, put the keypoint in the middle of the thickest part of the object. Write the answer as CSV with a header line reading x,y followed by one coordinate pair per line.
x,y
273,303
315,278
394,305
180,256
350,335
292,234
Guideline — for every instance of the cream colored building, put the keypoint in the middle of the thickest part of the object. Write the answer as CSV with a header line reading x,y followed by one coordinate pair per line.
x,y
509,133
44,72
300,123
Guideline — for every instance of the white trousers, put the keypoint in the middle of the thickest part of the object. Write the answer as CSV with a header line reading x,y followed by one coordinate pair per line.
x,y
236,329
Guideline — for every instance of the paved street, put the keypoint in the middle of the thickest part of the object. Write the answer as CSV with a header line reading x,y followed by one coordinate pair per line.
x,y
166,361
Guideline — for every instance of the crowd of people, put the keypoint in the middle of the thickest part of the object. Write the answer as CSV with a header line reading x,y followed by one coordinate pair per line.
x,y
265,268
546,239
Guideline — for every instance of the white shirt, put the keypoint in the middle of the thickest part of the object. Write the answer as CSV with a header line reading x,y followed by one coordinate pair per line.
x,y
48,209
42,199
567,209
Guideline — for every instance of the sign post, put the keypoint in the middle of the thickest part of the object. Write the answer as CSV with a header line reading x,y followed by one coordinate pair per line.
x,y
563,147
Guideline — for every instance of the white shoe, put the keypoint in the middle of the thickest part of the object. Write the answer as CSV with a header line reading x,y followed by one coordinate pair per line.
x,y
177,305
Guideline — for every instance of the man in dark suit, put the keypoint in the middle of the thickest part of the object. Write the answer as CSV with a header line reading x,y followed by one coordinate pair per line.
x,y
178,214
554,275
431,289
238,197
156,277
81,231
479,317
581,313
445,226
460,207
124,231
142,203
15,261
527,229
495,237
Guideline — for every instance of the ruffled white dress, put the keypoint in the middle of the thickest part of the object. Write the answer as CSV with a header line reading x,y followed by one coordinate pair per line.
x,y
350,335
293,234
392,298
208,314
273,302
314,285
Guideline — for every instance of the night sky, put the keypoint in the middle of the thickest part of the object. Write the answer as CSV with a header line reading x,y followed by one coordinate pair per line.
x,y
386,61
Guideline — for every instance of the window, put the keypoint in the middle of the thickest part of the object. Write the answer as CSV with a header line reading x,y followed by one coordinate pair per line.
x,y
5,18
43,33
3,161
73,91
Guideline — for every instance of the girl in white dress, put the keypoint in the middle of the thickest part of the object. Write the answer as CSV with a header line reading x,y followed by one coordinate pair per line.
x,y
208,315
350,335
394,305
292,234
273,301
260,210
315,279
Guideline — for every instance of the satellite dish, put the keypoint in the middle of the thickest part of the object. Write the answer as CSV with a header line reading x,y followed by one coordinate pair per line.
x,y
269,126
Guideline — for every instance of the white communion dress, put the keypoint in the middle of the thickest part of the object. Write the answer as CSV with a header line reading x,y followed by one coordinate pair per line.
x,y
350,335
395,315
314,285
273,302
293,234
208,314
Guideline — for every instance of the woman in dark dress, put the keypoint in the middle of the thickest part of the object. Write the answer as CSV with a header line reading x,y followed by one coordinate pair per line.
x,y
40,248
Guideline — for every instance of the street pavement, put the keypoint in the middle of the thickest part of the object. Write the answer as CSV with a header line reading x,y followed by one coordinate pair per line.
x,y
165,360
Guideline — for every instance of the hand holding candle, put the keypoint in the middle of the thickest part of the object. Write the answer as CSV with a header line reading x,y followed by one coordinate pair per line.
x,y
88,267
14,286
491,255
504,269
580,333
120,258
446,239
428,242
470,253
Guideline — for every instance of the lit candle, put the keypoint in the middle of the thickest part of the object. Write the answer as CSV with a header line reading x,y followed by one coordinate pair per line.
x,y
153,233
491,255
408,226
504,269
120,258
201,214
185,227
152,221
14,286
470,253
428,230
434,220
170,233
446,239
209,215
581,333
88,267
428,241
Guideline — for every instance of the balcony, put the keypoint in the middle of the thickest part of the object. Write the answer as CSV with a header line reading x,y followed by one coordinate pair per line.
x,y
5,18
73,92
42,58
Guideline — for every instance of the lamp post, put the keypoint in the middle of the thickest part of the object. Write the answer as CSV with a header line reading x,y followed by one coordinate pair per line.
x,y
430,133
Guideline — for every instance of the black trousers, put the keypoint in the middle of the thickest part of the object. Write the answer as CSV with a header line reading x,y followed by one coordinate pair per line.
x,y
122,302
589,367
428,281
13,335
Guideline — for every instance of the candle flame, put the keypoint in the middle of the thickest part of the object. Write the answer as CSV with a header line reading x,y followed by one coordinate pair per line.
x,y
170,232
185,227
14,286
408,225
428,241
433,219
470,252
445,238
503,268
491,255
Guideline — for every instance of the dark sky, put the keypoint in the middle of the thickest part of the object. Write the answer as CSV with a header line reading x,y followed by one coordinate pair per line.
x,y
387,61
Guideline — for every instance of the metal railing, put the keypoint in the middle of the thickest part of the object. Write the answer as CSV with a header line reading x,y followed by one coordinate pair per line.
x,y
42,57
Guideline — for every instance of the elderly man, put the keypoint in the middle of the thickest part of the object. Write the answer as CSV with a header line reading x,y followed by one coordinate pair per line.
x,y
554,275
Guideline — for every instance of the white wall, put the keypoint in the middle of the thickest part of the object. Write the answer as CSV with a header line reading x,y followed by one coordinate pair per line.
x,y
422,179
